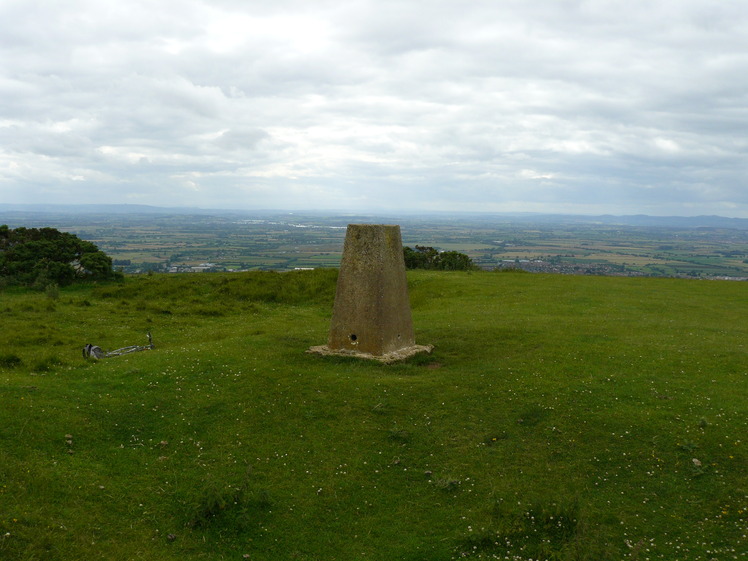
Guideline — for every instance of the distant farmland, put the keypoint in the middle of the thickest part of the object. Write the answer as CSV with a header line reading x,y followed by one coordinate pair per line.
x,y
285,241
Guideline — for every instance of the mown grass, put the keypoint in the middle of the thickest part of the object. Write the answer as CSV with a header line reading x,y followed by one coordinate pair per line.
x,y
559,418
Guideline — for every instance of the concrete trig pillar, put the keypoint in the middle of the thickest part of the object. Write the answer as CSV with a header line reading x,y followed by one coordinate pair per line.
x,y
371,316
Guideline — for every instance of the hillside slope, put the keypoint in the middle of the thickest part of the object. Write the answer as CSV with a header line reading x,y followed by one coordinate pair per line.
x,y
558,417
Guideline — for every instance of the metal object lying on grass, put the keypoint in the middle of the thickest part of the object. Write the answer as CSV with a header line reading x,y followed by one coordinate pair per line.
x,y
93,351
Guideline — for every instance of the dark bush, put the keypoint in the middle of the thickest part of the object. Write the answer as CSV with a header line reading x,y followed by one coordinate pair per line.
x,y
38,257
423,257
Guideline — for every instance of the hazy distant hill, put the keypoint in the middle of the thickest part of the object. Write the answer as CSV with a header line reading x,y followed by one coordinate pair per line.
x,y
630,220
644,220
99,209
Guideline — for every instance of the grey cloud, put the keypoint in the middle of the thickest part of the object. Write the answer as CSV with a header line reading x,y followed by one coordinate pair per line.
x,y
241,139
478,104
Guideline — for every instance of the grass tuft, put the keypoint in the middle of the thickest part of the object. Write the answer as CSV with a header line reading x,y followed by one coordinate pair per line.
x,y
10,360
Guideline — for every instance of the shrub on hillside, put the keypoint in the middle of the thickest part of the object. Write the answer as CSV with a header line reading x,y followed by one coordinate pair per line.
x,y
429,258
40,257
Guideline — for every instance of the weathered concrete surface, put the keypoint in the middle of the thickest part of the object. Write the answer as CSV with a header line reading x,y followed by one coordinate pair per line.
x,y
371,316
394,356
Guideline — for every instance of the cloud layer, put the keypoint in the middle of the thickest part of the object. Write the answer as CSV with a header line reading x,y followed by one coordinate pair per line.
x,y
553,106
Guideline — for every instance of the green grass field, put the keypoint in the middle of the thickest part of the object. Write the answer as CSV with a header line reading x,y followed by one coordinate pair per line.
x,y
558,418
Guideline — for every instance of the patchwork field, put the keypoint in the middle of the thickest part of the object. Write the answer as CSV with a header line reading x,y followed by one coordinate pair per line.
x,y
160,242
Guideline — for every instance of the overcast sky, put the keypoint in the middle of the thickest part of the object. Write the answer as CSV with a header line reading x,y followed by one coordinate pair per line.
x,y
567,106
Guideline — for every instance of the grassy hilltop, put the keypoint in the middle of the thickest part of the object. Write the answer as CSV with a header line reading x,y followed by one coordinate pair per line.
x,y
559,418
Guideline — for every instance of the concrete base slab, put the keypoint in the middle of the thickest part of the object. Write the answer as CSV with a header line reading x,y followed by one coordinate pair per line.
x,y
394,356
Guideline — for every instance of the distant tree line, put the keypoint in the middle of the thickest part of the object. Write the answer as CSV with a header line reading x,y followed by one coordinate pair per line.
x,y
429,258
38,257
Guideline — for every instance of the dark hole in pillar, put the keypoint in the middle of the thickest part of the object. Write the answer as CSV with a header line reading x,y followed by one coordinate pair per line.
x,y
353,336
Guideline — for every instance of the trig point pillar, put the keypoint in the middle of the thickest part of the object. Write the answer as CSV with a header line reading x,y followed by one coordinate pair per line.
x,y
371,316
